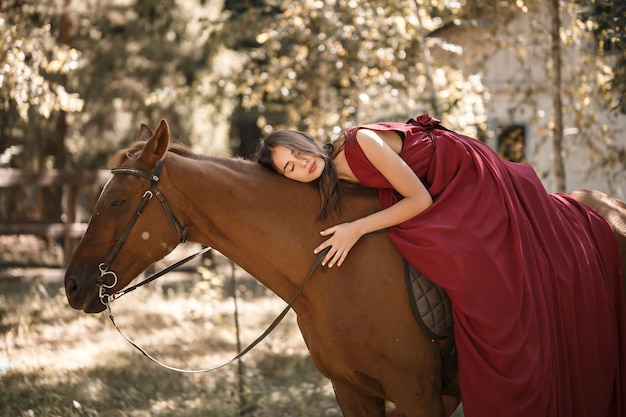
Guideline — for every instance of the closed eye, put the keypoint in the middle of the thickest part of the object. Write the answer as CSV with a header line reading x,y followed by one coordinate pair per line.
x,y
118,203
289,165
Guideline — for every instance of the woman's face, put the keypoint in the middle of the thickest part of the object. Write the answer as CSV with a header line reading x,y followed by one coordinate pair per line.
x,y
297,166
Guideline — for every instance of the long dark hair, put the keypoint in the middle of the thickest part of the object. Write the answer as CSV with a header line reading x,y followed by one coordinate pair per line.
x,y
302,142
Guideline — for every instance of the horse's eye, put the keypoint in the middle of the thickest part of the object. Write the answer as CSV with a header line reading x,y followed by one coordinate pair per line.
x,y
118,203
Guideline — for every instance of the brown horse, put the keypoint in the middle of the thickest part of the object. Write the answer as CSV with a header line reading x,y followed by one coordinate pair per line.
x,y
356,320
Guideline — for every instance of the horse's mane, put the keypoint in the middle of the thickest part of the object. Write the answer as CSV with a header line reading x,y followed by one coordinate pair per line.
x,y
134,149
244,166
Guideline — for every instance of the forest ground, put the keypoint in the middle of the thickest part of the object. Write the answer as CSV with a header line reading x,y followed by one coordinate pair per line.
x,y
55,361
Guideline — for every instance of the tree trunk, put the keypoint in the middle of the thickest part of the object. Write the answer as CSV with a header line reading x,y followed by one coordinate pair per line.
x,y
434,104
557,103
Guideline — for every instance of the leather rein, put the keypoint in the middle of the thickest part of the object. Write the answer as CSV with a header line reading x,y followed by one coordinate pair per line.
x,y
105,272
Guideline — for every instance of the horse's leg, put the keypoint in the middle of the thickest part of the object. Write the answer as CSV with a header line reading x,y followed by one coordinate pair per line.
x,y
418,399
353,404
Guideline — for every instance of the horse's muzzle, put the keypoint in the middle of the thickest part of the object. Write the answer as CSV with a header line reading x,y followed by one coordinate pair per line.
x,y
81,296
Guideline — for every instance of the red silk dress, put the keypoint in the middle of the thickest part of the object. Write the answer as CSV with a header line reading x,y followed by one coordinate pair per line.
x,y
534,278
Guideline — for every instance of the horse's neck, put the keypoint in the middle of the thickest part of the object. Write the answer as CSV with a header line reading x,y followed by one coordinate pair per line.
x,y
263,222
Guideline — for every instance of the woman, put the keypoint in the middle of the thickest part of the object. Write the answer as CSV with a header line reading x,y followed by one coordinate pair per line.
x,y
534,278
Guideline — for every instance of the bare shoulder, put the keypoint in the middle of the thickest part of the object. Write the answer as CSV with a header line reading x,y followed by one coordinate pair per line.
x,y
381,149
367,137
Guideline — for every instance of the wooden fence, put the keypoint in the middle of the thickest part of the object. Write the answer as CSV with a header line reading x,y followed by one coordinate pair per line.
x,y
72,181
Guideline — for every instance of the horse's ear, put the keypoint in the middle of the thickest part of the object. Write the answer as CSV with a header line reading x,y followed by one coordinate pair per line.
x,y
157,145
144,132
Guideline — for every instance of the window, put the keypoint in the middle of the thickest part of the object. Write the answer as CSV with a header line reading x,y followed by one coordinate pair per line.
x,y
512,143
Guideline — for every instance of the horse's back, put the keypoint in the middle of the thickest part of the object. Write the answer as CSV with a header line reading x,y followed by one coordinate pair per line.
x,y
613,211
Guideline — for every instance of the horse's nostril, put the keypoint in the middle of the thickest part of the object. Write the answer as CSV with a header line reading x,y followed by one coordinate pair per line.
x,y
71,287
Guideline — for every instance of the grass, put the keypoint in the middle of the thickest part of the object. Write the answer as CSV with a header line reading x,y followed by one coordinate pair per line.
x,y
55,361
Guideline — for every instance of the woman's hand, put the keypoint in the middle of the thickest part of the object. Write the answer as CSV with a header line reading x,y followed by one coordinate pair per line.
x,y
343,237
401,177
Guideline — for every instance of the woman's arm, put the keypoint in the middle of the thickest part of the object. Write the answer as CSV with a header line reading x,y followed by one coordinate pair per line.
x,y
402,179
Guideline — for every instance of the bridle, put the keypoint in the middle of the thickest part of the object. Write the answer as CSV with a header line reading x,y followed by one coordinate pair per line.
x,y
154,178
182,230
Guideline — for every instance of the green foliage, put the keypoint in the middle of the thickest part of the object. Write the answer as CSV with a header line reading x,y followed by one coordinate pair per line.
x,y
592,98
30,56
125,63
606,20
325,65
102,68
144,58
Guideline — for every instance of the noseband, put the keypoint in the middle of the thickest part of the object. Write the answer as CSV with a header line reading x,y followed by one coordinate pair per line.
x,y
154,178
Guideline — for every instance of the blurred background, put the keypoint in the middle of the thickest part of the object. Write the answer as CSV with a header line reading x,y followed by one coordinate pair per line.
x,y
540,81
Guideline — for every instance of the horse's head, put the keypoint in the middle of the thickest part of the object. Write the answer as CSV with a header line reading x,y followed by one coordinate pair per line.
x,y
127,231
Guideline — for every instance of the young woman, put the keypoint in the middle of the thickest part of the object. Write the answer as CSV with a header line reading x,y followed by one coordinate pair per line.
x,y
534,278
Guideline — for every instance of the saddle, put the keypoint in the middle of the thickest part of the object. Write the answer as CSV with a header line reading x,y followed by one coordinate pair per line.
x,y
433,311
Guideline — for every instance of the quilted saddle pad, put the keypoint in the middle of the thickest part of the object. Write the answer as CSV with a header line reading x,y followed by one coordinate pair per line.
x,y
431,304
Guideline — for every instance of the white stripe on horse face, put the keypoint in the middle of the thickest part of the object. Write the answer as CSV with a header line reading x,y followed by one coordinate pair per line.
x,y
105,187
102,192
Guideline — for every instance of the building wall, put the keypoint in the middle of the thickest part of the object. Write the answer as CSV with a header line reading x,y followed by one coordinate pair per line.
x,y
519,93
